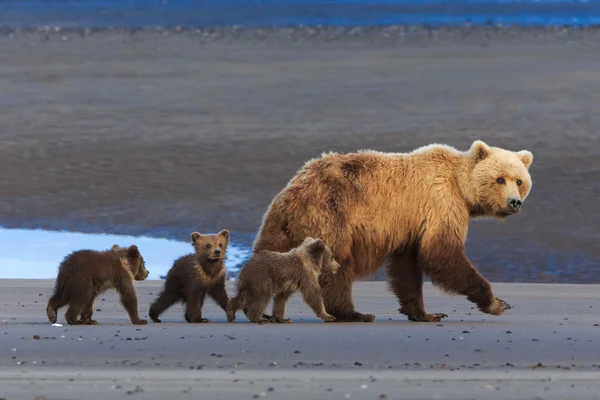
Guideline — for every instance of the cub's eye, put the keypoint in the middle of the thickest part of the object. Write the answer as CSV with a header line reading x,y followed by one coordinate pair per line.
x,y
500,181
220,244
208,246
519,182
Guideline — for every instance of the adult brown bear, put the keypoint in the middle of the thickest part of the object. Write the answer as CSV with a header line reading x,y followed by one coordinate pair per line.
x,y
409,210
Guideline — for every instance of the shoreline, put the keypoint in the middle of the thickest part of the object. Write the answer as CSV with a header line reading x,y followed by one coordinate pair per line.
x,y
326,35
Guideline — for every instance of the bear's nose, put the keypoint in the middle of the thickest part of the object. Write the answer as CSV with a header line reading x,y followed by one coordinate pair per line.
x,y
515,203
217,251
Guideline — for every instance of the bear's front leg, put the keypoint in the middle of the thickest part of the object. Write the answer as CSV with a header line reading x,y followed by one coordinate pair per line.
x,y
451,270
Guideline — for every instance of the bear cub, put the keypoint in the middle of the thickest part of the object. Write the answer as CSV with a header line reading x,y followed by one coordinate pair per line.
x,y
194,276
269,274
84,274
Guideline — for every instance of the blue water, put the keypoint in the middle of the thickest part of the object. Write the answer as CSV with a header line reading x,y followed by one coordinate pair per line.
x,y
265,13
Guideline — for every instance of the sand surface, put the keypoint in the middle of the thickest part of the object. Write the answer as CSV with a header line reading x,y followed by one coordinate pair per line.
x,y
545,347
163,133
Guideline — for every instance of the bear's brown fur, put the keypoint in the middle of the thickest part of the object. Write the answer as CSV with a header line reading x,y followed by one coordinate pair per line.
x,y
194,276
269,274
84,274
409,210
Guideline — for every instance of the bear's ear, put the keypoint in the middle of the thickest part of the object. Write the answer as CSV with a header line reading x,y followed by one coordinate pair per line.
x,y
133,251
224,233
316,247
195,237
526,157
115,247
479,150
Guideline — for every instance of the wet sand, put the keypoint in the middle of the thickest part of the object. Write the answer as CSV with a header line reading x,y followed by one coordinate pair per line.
x,y
544,347
165,132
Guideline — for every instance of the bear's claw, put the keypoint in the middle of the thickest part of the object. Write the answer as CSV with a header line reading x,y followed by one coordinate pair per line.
x,y
497,307
436,317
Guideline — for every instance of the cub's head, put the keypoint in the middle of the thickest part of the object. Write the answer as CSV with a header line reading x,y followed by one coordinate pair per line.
x,y
211,247
321,255
133,260
499,179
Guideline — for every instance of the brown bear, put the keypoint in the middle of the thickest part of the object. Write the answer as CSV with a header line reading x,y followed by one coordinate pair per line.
x,y
84,274
410,211
269,274
194,276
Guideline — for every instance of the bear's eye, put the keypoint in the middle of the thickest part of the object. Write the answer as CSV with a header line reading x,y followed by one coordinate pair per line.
x,y
208,246
519,182
220,244
500,180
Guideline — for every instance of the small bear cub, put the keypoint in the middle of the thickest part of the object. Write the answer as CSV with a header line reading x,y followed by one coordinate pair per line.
x,y
84,274
194,276
269,274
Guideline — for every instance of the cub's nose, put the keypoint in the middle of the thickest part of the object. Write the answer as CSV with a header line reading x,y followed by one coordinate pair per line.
x,y
217,251
515,204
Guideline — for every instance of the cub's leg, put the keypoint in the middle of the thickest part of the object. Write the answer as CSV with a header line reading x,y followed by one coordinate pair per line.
x,y
129,300
194,303
311,292
219,294
279,303
256,306
165,300
88,310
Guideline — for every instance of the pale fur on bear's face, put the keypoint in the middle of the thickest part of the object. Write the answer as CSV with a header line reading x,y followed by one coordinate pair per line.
x,y
322,255
500,178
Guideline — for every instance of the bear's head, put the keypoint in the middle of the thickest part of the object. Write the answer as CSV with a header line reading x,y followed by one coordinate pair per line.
x,y
132,259
321,255
499,179
211,247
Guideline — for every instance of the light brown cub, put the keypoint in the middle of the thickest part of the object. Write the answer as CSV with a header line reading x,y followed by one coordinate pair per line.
x,y
84,274
270,274
194,276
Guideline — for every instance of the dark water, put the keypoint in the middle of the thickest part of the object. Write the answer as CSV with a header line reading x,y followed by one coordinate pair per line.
x,y
261,13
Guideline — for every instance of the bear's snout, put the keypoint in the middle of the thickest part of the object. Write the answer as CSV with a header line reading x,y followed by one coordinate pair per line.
x,y
515,204
217,252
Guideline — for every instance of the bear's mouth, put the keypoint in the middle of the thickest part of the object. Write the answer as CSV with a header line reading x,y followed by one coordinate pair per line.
x,y
508,212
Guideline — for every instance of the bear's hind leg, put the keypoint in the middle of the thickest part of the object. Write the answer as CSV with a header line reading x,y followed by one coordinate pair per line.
x,y
336,290
88,311
406,282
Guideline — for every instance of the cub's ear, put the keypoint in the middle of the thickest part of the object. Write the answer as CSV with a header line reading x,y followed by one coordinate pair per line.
x,y
115,247
195,237
133,251
224,233
307,240
526,157
316,247
479,150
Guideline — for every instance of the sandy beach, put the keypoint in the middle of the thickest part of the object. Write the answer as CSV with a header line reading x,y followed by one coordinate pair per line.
x,y
545,347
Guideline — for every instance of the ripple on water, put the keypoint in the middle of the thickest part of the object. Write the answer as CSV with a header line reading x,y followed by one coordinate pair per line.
x,y
36,254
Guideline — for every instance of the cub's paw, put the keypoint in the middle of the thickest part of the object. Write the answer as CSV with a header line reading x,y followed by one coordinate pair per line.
x,y
140,322
328,318
90,322
230,317
200,321
283,320
497,307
